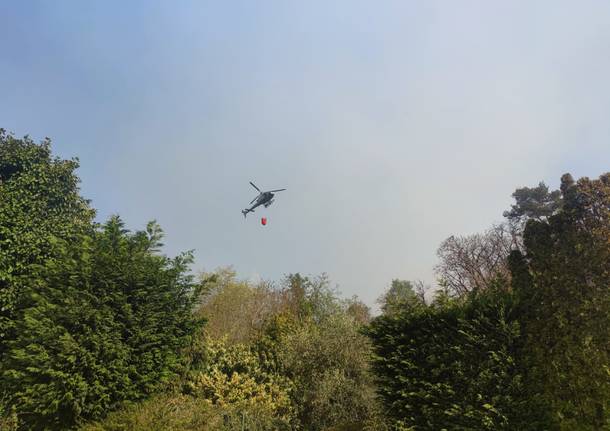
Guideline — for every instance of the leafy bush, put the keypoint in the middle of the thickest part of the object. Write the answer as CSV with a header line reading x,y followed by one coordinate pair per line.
x,y
167,412
305,342
328,363
453,365
236,309
234,380
8,416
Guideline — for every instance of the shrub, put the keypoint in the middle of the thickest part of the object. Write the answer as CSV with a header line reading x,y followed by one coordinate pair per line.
x,y
454,365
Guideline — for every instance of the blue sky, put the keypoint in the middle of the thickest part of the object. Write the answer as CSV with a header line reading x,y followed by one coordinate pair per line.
x,y
392,124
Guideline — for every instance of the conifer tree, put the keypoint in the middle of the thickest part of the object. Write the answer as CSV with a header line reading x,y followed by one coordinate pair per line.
x,y
563,282
102,321
39,200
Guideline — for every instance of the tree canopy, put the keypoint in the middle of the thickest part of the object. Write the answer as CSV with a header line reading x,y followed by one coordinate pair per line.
x,y
92,315
100,330
39,201
563,285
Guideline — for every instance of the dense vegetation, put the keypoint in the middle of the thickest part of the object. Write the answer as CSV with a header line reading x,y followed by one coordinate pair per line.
x,y
94,315
525,346
101,331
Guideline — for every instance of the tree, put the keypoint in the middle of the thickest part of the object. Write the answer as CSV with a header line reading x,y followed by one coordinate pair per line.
x,y
39,201
309,298
358,310
535,203
471,263
299,339
562,279
328,364
454,365
237,309
102,321
399,297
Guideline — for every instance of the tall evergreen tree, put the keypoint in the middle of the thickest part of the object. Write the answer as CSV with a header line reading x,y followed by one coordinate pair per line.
x,y
39,201
563,281
103,320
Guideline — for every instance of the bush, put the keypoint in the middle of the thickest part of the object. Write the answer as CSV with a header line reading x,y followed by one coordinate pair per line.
x,y
234,380
169,412
8,416
328,365
454,366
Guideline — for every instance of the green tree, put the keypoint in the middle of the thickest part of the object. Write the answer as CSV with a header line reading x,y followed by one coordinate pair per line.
x,y
400,296
39,201
309,298
358,310
306,341
102,321
316,343
328,364
232,377
236,309
562,279
534,203
454,364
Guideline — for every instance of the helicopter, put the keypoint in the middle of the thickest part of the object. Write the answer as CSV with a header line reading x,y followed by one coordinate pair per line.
x,y
264,198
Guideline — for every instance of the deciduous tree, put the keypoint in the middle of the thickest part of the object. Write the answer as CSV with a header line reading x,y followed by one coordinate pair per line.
x,y
471,263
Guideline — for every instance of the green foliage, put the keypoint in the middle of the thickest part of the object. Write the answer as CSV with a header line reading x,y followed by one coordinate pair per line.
x,y
310,298
102,321
532,356
535,203
452,365
8,415
39,201
563,283
236,309
304,344
316,344
179,412
358,310
93,318
233,379
399,296
328,364
166,412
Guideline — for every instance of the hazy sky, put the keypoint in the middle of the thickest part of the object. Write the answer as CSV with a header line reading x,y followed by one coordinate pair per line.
x,y
392,124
